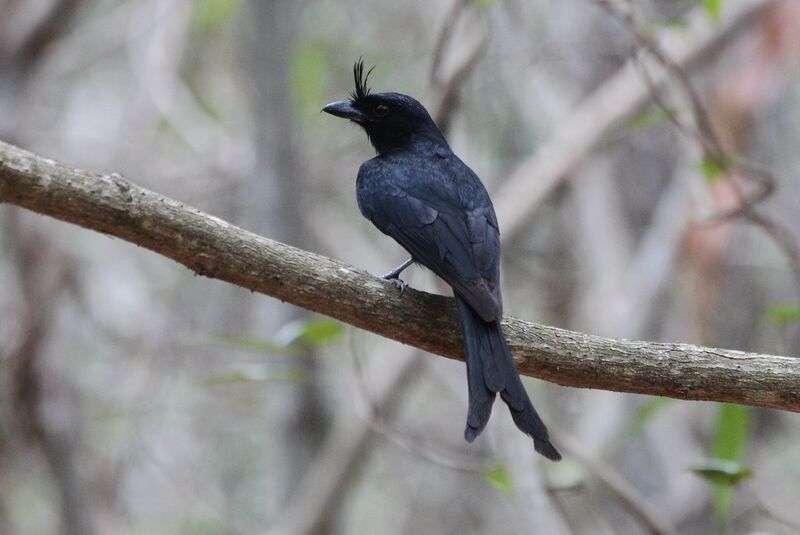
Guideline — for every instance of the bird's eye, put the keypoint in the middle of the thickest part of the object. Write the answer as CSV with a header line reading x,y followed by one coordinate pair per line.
x,y
381,110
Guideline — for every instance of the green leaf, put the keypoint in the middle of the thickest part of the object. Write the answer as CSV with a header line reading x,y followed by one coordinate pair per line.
x,y
648,411
713,8
210,15
782,315
484,3
291,337
730,440
648,118
721,471
497,475
321,332
307,76
312,332
713,168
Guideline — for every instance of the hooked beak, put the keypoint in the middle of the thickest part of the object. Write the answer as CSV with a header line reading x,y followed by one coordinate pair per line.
x,y
345,108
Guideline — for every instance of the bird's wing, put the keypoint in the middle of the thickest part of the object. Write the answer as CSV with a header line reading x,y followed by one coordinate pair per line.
x,y
441,214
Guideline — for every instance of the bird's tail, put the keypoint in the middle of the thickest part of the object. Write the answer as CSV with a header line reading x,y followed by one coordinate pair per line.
x,y
491,371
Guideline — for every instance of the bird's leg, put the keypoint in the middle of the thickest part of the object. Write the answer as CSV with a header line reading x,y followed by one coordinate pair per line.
x,y
394,275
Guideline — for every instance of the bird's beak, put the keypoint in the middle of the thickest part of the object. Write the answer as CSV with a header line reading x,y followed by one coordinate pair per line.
x,y
345,108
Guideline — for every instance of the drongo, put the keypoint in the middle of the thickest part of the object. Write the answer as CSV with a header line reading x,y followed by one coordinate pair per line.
x,y
420,193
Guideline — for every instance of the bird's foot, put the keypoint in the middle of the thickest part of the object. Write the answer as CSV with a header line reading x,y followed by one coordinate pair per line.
x,y
396,280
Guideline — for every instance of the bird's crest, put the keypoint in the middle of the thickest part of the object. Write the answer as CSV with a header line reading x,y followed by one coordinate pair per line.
x,y
362,89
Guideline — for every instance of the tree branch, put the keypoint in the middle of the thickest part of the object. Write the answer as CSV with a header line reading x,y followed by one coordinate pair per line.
x,y
214,248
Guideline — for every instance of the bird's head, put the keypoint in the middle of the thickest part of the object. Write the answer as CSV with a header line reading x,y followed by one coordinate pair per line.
x,y
391,120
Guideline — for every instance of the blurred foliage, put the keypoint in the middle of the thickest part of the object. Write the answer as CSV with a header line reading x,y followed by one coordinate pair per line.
x,y
721,472
497,475
713,168
307,79
724,470
210,15
713,8
310,332
781,315
484,3
730,436
295,336
648,118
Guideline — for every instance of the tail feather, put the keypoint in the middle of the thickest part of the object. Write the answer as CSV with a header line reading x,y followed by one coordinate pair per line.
x,y
481,397
491,371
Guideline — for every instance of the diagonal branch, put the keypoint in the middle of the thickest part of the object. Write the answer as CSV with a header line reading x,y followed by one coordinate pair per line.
x,y
214,248
618,99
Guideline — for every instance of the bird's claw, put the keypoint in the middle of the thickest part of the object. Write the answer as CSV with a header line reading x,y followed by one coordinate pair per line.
x,y
397,281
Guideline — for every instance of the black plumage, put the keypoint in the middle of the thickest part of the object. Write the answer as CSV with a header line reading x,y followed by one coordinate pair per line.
x,y
420,193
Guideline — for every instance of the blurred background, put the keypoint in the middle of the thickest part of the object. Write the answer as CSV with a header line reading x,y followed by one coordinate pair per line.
x,y
643,161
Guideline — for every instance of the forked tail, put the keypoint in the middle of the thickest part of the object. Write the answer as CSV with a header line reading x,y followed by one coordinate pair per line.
x,y
491,371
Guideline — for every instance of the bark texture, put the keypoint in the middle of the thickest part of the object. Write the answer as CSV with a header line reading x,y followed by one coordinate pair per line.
x,y
214,248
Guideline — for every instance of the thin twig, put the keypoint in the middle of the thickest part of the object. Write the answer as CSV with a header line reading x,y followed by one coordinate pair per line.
x,y
618,99
316,496
447,88
707,139
655,522
444,38
776,516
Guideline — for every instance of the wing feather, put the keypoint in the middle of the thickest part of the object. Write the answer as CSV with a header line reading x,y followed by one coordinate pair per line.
x,y
429,216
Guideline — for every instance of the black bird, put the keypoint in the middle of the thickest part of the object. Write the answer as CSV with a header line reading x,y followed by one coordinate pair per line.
x,y
422,195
